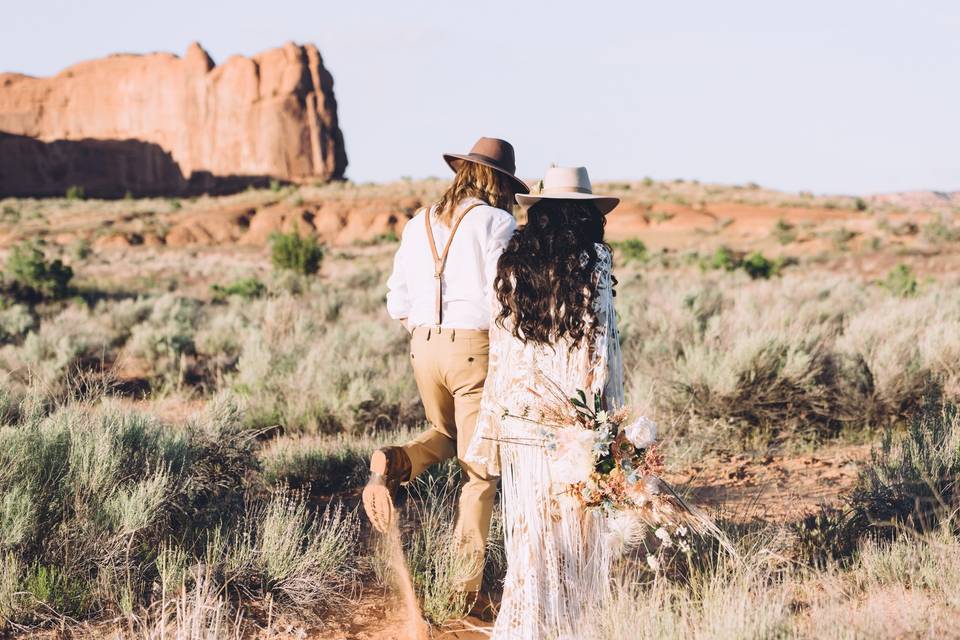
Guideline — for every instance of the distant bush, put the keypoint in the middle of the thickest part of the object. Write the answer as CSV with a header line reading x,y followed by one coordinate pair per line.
x,y
388,237
10,214
275,185
632,250
15,321
860,204
784,231
841,236
901,281
755,264
939,231
758,266
291,251
75,192
80,249
723,258
32,276
246,288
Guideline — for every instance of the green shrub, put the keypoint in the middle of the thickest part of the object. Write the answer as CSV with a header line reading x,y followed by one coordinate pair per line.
x,y
75,192
291,251
901,281
860,204
166,338
80,249
784,231
275,185
910,483
724,258
89,494
57,589
828,535
632,250
15,321
939,231
326,465
841,236
10,214
246,288
913,481
285,549
30,272
758,266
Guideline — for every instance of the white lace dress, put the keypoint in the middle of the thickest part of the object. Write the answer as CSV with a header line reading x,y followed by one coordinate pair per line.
x,y
558,566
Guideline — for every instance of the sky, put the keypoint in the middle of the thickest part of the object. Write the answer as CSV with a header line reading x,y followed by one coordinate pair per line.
x,y
838,96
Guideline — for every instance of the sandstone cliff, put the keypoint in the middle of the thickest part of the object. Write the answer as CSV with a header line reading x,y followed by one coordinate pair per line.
x,y
160,124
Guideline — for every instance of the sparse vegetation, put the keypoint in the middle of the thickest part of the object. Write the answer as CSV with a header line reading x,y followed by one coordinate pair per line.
x,y
108,512
75,192
300,254
246,288
784,232
29,275
901,281
940,231
632,250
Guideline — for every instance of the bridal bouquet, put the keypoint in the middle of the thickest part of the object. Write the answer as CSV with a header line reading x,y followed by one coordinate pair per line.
x,y
610,462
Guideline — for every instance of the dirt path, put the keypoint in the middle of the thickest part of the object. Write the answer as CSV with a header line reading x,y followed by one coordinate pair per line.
x,y
774,487
737,486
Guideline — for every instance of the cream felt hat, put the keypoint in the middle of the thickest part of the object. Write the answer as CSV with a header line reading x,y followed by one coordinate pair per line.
x,y
568,183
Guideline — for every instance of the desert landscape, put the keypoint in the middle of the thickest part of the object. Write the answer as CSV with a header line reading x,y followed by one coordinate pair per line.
x,y
196,363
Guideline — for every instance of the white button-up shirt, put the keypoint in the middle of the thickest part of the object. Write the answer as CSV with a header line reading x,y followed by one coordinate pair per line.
x,y
467,278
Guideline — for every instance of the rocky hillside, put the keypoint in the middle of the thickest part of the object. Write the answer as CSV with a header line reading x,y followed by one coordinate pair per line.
x,y
159,124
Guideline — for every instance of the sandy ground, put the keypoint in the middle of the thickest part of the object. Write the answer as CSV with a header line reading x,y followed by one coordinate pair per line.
x,y
781,488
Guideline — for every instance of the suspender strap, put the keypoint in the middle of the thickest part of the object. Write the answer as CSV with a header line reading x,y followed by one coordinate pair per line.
x,y
440,260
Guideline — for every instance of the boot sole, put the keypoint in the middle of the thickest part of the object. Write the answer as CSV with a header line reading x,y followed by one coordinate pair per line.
x,y
379,507
377,501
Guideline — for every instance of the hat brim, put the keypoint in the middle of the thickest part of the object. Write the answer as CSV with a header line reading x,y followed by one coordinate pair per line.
x,y
605,204
456,159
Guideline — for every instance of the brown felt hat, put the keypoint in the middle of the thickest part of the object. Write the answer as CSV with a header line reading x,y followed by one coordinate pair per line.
x,y
494,153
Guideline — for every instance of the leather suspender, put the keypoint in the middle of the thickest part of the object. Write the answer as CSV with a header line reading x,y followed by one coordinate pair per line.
x,y
440,260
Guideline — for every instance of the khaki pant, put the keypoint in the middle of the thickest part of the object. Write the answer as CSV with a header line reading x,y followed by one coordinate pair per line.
x,y
450,366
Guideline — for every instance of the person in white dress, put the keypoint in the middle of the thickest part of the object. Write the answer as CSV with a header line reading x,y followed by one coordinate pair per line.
x,y
554,331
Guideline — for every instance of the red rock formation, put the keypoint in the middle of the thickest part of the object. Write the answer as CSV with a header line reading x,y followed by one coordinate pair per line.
x,y
162,124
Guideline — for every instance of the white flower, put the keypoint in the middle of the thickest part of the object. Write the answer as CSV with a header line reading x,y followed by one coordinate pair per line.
x,y
684,546
572,460
621,532
664,536
681,531
653,562
642,432
603,417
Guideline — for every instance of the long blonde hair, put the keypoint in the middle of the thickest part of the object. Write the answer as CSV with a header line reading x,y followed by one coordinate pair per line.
x,y
474,180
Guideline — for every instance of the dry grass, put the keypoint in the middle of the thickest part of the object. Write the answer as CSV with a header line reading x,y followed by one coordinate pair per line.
x,y
195,522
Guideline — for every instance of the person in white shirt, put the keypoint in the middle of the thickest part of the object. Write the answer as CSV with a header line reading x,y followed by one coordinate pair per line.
x,y
441,290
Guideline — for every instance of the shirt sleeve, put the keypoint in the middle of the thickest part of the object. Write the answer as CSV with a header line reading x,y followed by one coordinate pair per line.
x,y
501,230
398,294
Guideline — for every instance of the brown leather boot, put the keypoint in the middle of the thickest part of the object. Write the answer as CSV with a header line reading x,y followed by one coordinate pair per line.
x,y
388,468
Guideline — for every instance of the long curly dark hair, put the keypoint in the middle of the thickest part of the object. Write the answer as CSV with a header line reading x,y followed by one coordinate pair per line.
x,y
545,276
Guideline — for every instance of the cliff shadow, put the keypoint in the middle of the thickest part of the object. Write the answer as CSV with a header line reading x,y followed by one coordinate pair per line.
x,y
104,169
